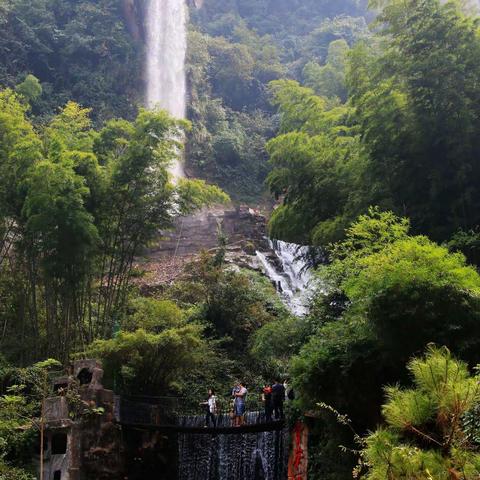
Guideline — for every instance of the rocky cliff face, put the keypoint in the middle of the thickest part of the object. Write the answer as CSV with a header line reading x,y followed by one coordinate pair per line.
x,y
244,228
133,13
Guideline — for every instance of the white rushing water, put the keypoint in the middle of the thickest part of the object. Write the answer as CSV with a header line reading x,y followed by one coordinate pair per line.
x,y
239,456
166,47
287,269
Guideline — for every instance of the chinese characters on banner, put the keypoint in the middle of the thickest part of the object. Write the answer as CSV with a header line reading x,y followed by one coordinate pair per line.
x,y
298,462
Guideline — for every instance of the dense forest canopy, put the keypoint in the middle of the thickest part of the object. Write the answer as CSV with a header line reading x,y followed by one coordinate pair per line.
x,y
363,125
405,139
79,50
236,49
86,52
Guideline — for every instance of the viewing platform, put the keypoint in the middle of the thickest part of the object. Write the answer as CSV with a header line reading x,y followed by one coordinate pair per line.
x,y
170,414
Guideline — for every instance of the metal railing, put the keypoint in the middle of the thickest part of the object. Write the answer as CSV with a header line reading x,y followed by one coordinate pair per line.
x,y
157,411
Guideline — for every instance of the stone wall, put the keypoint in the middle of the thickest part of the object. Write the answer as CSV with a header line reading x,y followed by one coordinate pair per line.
x,y
86,440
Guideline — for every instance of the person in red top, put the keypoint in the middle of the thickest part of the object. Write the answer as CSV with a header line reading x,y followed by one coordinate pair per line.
x,y
267,401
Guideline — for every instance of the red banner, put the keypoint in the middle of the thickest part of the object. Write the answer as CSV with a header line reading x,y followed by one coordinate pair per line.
x,y
298,462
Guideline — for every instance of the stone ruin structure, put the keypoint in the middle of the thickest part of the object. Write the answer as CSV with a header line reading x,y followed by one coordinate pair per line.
x,y
88,435
82,439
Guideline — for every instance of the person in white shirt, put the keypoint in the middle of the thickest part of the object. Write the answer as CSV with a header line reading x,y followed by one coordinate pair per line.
x,y
211,409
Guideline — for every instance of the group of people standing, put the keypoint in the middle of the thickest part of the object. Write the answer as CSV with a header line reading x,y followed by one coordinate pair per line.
x,y
273,397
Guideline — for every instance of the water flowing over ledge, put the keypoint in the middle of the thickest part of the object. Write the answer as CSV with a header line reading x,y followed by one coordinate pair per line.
x,y
252,456
289,272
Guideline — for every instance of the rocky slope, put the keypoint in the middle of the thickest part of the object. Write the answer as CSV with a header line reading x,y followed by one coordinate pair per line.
x,y
243,227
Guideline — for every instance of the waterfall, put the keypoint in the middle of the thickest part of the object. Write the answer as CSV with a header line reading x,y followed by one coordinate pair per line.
x,y
239,456
287,269
166,47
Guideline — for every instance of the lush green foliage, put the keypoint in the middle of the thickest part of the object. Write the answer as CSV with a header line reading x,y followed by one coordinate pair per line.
x,y
329,80
388,119
392,293
92,52
402,292
76,205
407,140
21,393
237,47
78,50
318,154
155,351
227,141
197,334
233,304
423,438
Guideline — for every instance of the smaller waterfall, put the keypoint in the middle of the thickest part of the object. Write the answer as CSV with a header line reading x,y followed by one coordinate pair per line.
x,y
235,456
287,269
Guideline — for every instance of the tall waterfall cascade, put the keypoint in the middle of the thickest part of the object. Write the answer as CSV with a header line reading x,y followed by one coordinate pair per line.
x,y
166,47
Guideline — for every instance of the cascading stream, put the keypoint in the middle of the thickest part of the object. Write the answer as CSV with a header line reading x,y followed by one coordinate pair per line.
x,y
166,47
287,269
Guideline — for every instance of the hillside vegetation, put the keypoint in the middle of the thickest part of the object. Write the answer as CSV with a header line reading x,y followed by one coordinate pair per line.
x,y
361,126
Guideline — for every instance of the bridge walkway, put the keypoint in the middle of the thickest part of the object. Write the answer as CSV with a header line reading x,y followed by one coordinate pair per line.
x,y
178,415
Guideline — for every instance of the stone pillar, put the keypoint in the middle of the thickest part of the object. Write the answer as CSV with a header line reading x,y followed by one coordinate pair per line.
x,y
75,450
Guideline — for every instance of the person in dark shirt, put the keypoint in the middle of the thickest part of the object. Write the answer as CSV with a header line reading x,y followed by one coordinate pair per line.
x,y
278,397
267,401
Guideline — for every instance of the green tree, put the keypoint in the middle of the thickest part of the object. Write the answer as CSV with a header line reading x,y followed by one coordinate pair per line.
x,y
329,80
388,295
404,141
76,206
157,361
79,50
20,148
318,154
274,344
418,129
22,416
423,437
30,89
61,234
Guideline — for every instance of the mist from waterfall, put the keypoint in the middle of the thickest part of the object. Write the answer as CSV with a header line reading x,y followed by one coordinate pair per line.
x,y
166,47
